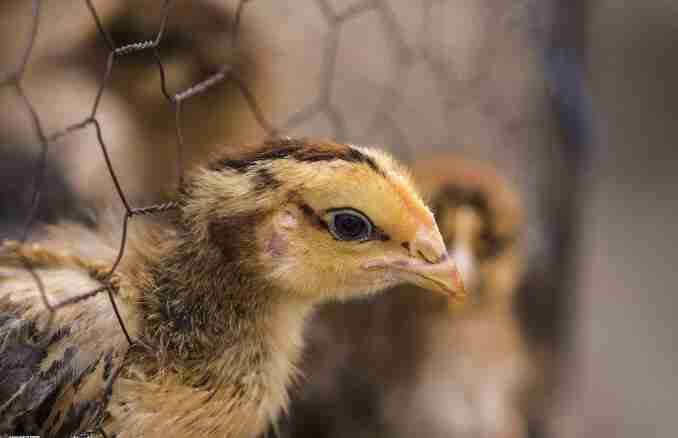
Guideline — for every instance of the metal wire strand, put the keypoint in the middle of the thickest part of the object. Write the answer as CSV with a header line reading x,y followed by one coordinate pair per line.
x,y
15,79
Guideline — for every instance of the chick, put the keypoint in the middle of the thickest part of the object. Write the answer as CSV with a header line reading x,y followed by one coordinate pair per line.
x,y
216,298
476,368
481,217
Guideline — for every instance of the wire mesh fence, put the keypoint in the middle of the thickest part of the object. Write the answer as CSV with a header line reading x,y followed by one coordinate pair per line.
x,y
14,79
413,54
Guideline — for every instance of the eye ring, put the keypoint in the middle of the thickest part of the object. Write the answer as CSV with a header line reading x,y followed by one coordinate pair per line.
x,y
348,224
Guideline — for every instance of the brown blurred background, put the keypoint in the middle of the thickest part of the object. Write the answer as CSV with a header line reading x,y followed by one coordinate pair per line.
x,y
572,101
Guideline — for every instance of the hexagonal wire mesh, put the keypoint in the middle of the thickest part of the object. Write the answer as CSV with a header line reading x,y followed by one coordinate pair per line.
x,y
485,100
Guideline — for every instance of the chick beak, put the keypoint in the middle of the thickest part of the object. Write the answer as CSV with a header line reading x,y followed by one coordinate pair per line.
x,y
428,265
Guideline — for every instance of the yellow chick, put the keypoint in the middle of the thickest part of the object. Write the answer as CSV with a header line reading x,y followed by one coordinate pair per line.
x,y
216,297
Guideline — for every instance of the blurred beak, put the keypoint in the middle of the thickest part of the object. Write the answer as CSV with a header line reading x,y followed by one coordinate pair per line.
x,y
427,266
465,261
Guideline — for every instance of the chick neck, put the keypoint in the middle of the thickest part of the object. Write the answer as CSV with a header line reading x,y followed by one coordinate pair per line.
x,y
215,321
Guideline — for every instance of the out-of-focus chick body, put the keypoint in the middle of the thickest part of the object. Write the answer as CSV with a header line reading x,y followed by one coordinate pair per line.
x,y
474,368
216,296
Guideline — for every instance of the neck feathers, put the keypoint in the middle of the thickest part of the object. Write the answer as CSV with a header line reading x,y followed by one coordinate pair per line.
x,y
219,333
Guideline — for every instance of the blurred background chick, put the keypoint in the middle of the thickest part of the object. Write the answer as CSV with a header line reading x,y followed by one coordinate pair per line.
x,y
474,372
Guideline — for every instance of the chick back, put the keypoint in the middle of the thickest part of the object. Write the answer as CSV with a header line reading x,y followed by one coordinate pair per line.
x,y
55,378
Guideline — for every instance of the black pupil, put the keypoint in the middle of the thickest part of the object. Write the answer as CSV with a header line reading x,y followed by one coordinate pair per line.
x,y
349,226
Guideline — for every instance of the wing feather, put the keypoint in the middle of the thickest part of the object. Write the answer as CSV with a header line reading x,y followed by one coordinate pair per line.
x,y
56,381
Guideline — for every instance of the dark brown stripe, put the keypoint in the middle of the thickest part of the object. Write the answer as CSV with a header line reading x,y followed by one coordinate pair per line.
x,y
315,219
358,157
250,159
380,234
47,386
299,150
108,365
265,180
77,416
75,385
234,234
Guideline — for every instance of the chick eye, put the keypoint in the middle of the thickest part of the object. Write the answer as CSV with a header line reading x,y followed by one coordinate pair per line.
x,y
349,225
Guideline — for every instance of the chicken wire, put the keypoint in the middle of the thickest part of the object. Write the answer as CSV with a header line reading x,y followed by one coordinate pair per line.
x,y
416,47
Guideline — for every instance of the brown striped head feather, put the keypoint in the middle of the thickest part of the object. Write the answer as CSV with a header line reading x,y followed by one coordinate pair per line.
x,y
317,218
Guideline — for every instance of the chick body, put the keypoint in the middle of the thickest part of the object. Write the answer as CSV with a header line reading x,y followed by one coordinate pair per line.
x,y
216,296
475,367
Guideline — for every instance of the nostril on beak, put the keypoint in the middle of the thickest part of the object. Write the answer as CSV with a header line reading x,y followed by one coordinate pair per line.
x,y
429,246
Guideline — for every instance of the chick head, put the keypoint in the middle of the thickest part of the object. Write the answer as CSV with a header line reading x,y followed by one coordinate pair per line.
x,y
318,219
480,217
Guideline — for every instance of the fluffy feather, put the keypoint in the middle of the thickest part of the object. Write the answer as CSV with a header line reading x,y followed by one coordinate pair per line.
x,y
216,297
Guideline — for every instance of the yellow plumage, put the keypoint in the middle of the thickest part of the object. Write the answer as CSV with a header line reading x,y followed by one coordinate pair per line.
x,y
216,296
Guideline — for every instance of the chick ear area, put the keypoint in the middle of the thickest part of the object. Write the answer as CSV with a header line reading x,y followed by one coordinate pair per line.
x,y
283,222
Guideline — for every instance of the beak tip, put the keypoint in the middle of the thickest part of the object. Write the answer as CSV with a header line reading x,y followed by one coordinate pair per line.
x,y
443,277
456,291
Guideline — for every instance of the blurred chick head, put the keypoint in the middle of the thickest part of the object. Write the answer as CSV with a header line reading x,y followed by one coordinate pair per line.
x,y
318,219
480,217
